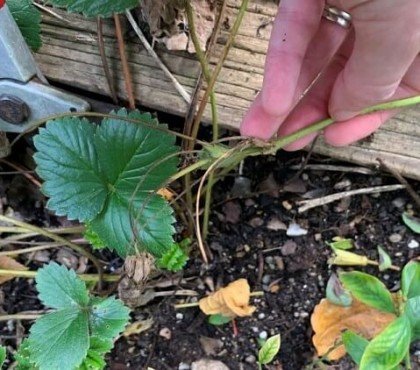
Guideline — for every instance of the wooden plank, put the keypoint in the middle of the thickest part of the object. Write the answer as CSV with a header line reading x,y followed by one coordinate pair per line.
x,y
70,56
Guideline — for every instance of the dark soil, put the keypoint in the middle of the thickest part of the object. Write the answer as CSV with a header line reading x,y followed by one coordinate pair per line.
x,y
291,271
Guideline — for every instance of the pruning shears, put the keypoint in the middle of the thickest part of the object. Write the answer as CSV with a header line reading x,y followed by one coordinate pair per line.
x,y
24,98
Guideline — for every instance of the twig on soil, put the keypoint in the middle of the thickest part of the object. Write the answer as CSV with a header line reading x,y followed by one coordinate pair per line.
x,y
105,66
153,54
402,180
23,171
195,304
22,316
124,63
16,252
312,203
330,167
94,278
58,239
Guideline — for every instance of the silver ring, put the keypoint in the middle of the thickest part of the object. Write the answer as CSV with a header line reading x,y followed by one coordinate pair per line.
x,y
338,16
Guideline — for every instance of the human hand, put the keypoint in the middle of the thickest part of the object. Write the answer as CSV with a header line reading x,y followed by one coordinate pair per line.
x,y
375,61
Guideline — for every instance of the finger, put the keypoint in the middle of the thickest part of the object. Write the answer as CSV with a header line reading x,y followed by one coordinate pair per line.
x,y
380,57
294,27
314,106
258,122
344,133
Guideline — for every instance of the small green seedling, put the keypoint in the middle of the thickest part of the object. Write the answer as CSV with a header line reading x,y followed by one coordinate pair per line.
x,y
219,320
269,350
413,223
80,330
388,349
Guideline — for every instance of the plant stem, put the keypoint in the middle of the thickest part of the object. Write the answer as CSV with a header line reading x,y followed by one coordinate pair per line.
x,y
94,278
124,63
21,316
215,126
407,361
195,304
195,166
58,239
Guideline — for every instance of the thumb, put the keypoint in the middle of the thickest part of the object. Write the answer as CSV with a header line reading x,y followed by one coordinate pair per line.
x,y
387,40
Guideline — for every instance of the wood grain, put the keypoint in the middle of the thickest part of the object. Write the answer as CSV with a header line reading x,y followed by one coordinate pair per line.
x,y
70,56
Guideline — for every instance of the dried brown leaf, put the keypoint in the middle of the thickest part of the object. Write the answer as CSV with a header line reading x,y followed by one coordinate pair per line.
x,y
329,321
230,301
8,263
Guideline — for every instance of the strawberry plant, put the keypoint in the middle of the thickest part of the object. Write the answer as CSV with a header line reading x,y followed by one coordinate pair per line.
x,y
107,176
80,330
388,349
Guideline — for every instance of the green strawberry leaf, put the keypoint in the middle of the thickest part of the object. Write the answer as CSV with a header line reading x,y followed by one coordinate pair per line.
x,y
355,345
94,8
412,311
410,280
2,355
269,350
174,259
388,349
369,290
108,317
28,18
93,238
60,340
23,357
95,359
59,287
108,176
68,163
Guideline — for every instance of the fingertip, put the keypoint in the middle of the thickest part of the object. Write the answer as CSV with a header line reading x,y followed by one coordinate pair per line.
x,y
258,123
355,129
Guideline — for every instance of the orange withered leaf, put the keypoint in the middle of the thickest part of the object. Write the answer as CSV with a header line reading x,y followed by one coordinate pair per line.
x,y
230,301
329,321
8,263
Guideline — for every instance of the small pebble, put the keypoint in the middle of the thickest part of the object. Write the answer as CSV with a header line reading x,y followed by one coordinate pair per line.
x,y
287,205
279,262
255,329
295,230
413,244
275,224
179,316
395,238
304,314
165,333
183,366
269,260
263,335
261,316
250,359
398,202
266,279
289,248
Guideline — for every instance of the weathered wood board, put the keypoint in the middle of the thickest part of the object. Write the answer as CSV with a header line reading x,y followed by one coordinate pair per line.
x,y
70,56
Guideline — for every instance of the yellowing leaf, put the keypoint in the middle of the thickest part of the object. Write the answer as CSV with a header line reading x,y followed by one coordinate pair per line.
x,y
231,301
137,327
8,263
166,193
329,321
345,258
